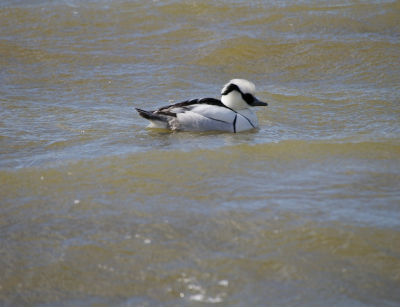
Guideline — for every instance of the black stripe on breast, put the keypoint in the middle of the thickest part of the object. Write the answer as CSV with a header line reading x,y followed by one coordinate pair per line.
x,y
247,120
234,124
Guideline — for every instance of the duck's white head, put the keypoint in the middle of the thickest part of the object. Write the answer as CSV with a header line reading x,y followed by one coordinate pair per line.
x,y
239,94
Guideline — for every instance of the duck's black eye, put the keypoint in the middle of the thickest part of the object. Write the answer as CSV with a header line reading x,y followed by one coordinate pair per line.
x,y
249,98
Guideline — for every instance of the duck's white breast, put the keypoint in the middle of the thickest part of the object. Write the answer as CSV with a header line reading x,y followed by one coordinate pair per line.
x,y
246,120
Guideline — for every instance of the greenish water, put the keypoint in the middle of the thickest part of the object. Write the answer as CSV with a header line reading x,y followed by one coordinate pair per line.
x,y
98,210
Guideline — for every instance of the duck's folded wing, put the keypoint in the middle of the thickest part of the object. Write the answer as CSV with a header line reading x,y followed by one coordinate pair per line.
x,y
195,122
214,112
206,117
207,107
221,118
201,114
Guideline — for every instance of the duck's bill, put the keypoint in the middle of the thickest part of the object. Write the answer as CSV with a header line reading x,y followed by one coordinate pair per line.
x,y
258,103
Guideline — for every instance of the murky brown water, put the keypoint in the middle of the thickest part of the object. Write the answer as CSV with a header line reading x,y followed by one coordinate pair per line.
x,y
98,210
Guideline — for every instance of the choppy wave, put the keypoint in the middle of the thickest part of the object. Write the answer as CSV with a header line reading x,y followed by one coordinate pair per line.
x,y
97,209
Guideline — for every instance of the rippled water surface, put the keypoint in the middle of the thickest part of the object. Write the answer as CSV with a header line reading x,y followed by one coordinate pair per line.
x,y
98,210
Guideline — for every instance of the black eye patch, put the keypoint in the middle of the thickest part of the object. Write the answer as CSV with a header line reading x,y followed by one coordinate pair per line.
x,y
248,98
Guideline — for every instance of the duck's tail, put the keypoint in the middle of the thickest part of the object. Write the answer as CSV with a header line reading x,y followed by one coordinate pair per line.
x,y
156,120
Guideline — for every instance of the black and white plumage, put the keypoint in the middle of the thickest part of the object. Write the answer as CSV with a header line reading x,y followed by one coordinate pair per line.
x,y
232,113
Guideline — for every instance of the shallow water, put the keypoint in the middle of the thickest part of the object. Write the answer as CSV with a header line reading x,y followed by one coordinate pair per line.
x,y
98,210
